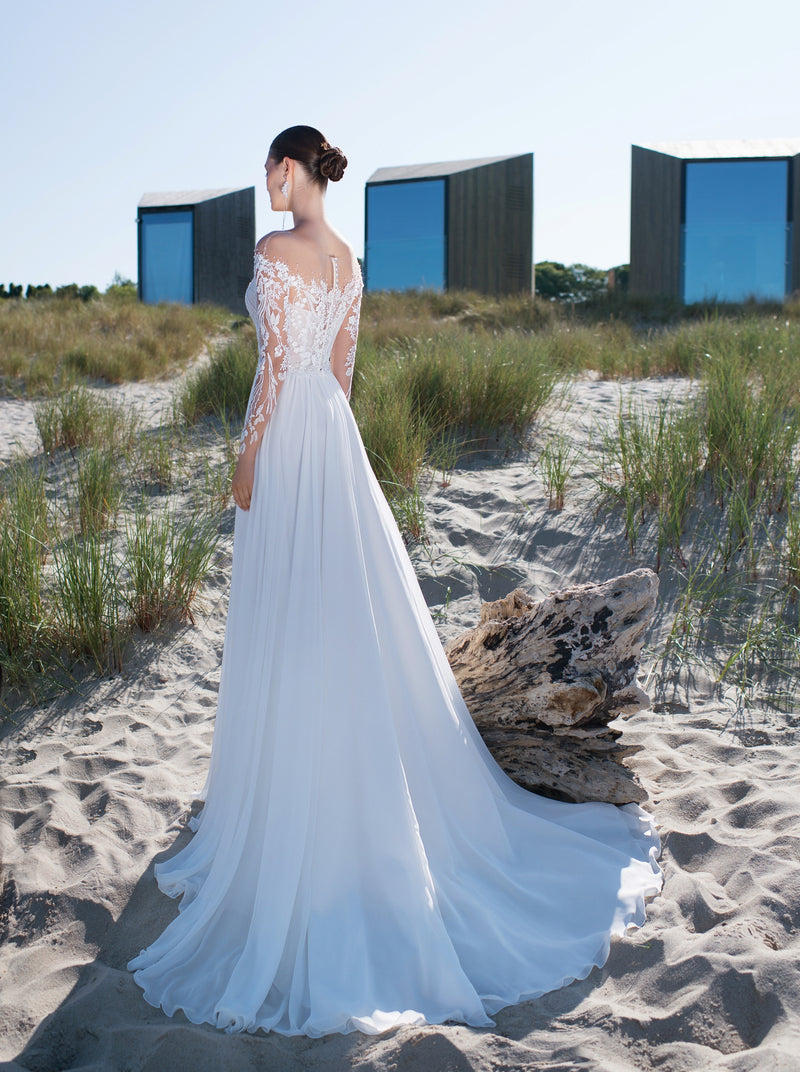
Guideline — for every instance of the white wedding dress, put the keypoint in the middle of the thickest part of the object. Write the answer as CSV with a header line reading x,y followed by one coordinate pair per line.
x,y
361,861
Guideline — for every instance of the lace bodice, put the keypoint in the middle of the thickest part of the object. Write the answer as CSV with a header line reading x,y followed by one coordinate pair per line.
x,y
303,326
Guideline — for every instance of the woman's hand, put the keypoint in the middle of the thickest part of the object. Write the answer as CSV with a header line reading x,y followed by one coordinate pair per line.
x,y
242,483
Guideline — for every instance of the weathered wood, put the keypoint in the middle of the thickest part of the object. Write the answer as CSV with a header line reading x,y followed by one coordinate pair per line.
x,y
542,681
655,251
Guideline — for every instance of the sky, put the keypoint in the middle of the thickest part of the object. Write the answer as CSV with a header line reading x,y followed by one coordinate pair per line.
x,y
103,102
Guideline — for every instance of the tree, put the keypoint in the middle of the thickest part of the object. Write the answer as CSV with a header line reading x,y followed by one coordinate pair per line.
x,y
574,282
122,288
553,280
43,291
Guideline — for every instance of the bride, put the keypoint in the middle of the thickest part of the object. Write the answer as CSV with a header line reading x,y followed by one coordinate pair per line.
x,y
360,861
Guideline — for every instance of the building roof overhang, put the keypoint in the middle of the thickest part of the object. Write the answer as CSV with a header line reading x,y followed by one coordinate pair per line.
x,y
185,198
725,149
436,170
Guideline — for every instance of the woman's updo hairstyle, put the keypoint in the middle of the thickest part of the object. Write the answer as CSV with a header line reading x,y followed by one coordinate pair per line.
x,y
321,160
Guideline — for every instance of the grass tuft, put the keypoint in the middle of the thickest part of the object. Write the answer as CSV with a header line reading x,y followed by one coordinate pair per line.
x,y
556,463
88,601
80,418
100,489
222,387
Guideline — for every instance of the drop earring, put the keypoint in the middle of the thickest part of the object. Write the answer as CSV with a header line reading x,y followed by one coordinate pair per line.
x,y
285,192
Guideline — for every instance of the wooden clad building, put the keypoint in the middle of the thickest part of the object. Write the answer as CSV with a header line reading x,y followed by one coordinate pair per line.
x,y
197,246
465,224
715,220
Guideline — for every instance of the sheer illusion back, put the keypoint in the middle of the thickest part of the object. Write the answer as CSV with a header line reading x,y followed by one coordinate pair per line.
x,y
304,324
361,861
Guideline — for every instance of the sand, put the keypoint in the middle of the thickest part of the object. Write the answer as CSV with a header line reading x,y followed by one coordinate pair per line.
x,y
97,787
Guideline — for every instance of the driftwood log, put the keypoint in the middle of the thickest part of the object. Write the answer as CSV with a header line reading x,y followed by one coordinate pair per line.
x,y
543,680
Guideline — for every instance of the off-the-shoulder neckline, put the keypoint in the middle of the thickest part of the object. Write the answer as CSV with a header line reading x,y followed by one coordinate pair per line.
x,y
320,283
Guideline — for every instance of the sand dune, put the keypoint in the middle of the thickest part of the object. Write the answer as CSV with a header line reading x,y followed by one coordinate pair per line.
x,y
96,788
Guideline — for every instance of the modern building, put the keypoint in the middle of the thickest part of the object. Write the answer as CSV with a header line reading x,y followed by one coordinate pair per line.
x,y
715,220
197,246
463,224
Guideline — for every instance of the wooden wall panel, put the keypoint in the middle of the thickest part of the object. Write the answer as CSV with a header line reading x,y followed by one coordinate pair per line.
x,y
224,239
490,227
795,280
655,223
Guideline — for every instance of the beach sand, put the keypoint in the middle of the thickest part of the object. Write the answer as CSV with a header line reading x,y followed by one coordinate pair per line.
x,y
97,787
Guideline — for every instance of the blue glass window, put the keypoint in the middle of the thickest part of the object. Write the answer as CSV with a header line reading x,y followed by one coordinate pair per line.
x,y
736,239
167,256
405,242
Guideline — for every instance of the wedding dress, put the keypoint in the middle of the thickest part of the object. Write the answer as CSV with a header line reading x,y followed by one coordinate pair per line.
x,y
361,861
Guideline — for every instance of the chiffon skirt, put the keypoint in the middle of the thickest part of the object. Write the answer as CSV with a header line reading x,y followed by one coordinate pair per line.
x,y
361,861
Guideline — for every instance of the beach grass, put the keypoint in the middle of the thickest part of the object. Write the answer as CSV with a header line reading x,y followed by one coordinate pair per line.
x,y
407,399
93,548
221,388
556,464
48,345
25,529
711,484
86,600
167,557
99,539
657,460
156,456
78,417
99,489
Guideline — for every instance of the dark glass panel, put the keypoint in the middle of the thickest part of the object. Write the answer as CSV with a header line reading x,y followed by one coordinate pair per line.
x,y
736,239
405,245
167,256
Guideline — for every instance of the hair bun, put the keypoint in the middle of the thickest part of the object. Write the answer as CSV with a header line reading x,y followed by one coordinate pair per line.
x,y
332,163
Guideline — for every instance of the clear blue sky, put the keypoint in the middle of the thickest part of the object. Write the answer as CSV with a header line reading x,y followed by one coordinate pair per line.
x,y
104,101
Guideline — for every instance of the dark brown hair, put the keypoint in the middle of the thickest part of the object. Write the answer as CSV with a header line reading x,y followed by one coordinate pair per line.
x,y
321,160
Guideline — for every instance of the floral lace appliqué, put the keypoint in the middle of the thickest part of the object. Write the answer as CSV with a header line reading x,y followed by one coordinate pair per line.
x,y
352,331
271,285
296,322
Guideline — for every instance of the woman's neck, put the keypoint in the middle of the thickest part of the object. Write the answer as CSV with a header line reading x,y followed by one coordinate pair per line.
x,y
309,212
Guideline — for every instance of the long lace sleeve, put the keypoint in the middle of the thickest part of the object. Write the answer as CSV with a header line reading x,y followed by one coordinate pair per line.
x,y
343,354
272,286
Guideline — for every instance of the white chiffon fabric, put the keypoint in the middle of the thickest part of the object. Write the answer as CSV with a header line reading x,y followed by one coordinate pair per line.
x,y
361,861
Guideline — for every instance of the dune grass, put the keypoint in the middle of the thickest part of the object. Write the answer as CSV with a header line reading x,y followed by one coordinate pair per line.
x,y
156,457
737,441
222,387
435,369
168,556
556,463
104,551
408,399
91,550
614,334
99,490
85,601
713,484
47,345
25,530
78,417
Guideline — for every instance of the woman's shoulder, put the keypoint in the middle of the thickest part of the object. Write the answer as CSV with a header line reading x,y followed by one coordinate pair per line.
x,y
341,247
298,252
276,245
